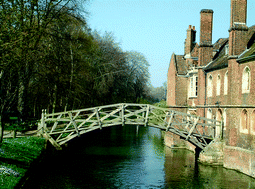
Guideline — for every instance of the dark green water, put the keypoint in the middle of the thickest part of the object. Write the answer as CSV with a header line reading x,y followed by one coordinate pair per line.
x,y
119,157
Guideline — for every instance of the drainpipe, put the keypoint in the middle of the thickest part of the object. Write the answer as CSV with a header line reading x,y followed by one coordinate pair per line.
x,y
205,88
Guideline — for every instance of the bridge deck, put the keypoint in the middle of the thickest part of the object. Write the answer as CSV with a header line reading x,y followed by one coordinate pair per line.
x,y
62,127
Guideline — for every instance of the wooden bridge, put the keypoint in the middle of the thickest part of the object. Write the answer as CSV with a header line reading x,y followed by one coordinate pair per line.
x,y
59,128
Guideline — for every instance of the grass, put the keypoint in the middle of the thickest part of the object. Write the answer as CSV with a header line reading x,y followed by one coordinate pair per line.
x,y
16,155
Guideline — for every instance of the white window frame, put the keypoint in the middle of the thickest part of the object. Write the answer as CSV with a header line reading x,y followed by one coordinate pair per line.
x,y
226,83
227,49
246,80
210,86
193,86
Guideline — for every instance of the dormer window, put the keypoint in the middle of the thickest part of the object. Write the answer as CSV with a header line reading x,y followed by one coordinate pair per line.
x,y
226,49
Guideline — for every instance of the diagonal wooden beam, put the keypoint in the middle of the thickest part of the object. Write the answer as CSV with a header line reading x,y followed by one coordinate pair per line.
x,y
170,121
56,123
74,124
98,118
193,127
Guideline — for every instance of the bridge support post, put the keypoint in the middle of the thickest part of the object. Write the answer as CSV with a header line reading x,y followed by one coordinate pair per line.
x,y
147,115
41,124
197,152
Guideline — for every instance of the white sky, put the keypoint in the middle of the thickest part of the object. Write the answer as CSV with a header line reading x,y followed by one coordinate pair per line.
x,y
157,28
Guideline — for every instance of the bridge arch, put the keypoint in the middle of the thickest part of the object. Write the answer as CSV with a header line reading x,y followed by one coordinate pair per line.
x,y
59,128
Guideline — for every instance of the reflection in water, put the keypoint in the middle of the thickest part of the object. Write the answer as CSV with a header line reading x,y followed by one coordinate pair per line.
x,y
124,157
182,172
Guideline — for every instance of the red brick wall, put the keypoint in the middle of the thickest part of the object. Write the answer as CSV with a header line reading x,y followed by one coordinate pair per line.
x,y
206,19
238,29
238,11
181,91
171,82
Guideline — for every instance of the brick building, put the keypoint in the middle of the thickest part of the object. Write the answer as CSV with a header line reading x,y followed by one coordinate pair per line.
x,y
222,73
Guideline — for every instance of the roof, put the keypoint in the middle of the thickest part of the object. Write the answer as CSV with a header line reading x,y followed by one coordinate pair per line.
x,y
181,65
249,54
194,52
220,59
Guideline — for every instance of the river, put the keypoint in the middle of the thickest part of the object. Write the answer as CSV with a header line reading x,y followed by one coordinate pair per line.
x,y
127,157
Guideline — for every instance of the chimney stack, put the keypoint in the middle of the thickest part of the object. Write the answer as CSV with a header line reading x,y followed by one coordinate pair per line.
x,y
205,46
238,28
190,40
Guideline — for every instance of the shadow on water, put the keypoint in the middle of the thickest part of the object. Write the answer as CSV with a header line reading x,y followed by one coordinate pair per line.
x,y
122,157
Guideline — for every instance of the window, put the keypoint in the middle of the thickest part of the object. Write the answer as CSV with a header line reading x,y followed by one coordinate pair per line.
x,y
218,118
225,119
193,86
226,83
218,86
246,80
253,122
244,121
227,49
209,113
210,86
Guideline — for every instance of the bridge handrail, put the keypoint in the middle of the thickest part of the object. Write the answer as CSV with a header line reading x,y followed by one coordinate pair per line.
x,y
76,122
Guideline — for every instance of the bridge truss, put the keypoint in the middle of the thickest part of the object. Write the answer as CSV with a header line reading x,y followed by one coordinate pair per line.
x,y
59,128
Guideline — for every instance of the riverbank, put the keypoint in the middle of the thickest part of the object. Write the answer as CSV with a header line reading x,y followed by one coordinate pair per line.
x,y
16,157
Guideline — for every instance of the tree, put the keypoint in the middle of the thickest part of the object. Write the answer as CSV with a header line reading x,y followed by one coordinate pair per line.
x,y
138,74
23,24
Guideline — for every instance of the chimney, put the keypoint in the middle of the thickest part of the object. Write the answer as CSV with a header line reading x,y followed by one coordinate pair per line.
x,y
238,29
205,46
190,40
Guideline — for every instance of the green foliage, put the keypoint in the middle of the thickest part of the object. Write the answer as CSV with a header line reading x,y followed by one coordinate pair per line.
x,y
161,104
17,154
142,101
51,60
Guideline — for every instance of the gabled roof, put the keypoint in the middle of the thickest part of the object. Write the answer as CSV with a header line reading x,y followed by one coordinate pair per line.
x,y
220,59
249,54
218,44
181,65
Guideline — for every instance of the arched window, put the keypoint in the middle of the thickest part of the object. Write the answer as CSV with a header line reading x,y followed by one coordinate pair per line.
x,y
226,83
225,118
246,80
210,85
253,122
218,86
218,118
244,121
209,113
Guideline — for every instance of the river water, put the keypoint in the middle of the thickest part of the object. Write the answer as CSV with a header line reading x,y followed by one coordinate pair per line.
x,y
124,157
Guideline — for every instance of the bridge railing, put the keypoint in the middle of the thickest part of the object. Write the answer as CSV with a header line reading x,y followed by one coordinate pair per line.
x,y
61,127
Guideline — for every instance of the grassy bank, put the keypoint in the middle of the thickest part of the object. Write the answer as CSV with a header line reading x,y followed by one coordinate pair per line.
x,y
16,156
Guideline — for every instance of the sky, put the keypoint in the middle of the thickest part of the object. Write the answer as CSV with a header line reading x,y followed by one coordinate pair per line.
x,y
157,28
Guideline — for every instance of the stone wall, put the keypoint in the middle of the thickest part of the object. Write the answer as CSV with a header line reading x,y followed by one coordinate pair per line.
x,y
175,141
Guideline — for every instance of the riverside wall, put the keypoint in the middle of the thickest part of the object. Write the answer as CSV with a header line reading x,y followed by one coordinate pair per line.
x,y
217,153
